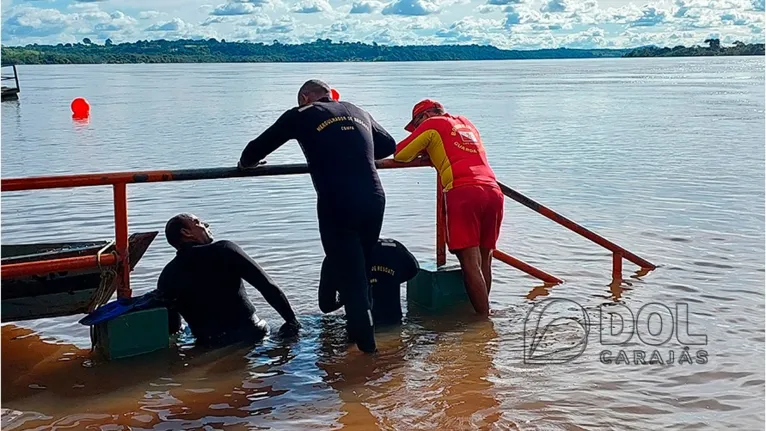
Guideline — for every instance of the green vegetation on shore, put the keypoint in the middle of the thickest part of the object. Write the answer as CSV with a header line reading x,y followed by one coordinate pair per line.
x,y
323,50
714,48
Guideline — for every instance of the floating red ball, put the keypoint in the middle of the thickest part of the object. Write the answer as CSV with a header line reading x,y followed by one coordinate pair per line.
x,y
80,108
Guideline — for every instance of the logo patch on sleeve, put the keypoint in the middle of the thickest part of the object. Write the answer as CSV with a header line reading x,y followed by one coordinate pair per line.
x,y
468,136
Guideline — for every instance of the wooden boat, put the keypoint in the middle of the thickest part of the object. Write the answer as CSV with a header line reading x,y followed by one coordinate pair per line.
x,y
10,93
62,293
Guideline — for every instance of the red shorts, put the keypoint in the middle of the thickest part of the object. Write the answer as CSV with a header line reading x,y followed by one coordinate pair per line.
x,y
474,216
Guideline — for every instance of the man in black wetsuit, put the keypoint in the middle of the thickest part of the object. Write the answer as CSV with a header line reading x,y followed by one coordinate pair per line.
x,y
341,143
392,265
203,283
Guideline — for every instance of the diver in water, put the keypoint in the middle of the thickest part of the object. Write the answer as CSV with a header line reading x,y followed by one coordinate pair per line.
x,y
392,265
204,285
341,143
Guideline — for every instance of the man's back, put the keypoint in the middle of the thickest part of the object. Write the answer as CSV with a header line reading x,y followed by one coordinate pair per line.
x,y
393,265
341,143
455,148
203,283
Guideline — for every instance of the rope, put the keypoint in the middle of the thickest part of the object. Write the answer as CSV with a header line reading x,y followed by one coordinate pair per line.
x,y
101,252
105,288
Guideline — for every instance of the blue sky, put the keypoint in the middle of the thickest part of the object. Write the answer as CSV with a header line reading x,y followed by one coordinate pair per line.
x,y
513,24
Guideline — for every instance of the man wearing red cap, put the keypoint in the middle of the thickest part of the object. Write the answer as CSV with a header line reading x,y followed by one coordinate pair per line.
x,y
473,200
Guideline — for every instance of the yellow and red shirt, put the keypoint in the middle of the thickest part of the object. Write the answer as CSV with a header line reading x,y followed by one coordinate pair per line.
x,y
455,149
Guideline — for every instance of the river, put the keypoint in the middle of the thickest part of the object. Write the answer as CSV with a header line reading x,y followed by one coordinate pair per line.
x,y
662,156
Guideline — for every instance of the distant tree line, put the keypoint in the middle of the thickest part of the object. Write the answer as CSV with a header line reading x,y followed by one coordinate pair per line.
x,y
221,51
714,48
322,50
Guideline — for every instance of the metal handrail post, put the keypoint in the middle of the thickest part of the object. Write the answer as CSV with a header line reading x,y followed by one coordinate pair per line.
x,y
121,236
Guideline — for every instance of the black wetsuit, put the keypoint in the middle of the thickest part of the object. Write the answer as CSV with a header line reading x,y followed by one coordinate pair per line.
x,y
341,143
392,265
203,284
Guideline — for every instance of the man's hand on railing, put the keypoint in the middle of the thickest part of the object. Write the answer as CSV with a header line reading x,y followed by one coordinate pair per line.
x,y
242,168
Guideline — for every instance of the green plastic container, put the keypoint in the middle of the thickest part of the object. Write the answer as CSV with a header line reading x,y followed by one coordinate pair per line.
x,y
436,290
133,334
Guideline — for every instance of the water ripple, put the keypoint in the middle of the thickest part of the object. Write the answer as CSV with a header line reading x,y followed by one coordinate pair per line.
x,y
587,138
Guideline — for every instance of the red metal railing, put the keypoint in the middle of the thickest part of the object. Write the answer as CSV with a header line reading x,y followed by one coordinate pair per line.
x,y
120,180
56,265
441,244
618,253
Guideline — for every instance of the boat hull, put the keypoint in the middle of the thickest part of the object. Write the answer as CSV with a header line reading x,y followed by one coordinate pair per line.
x,y
63,293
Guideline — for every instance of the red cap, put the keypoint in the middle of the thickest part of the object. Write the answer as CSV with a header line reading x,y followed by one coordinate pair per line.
x,y
419,108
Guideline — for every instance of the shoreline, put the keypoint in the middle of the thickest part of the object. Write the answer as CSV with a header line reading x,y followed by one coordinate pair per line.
x,y
381,61
325,51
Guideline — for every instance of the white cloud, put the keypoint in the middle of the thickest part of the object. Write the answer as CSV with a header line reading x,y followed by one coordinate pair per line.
x,y
470,29
417,23
493,6
412,8
735,18
389,36
261,27
650,16
503,23
555,6
502,2
118,21
258,21
365,7
340,27
83,6
174,25
34,22
590,38
522,14
235,8
312,6
622,15
149,14
544,27
214,20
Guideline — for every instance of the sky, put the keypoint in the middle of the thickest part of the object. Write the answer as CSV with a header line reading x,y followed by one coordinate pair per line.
x,y
507,24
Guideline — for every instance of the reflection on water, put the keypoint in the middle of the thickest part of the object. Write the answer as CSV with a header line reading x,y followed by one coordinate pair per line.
x,y
662,156
426,375
430,375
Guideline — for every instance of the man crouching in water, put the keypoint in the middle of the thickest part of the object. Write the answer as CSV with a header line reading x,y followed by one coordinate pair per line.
x,y
392,265
203,283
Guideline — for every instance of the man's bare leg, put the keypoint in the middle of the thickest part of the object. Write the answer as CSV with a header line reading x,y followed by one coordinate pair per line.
x,y
486,267
470,263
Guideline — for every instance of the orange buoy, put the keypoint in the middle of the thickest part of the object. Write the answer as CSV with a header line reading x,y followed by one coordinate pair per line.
x,y
80,108
335,94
